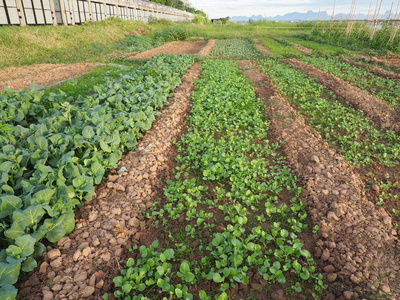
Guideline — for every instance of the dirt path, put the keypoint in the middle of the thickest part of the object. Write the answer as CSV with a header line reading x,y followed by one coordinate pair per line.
x,y
393,61
301,48
374,70
358,245
262,48
375,109
86,261
42,75
171,48
207,48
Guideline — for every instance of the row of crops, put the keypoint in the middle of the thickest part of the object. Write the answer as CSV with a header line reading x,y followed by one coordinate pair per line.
x,y
54,149
359,140
227,196
232,210
383,88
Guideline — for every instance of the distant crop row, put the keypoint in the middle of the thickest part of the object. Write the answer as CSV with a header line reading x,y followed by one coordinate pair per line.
x,y
361,143
48,168
280,48
228,175
234,49
383,88
346,128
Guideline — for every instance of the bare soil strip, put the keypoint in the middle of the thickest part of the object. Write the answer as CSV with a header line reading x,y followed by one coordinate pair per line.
x,y
358,245
301,48
375,109
41,75
207,48
20,72
262,48
171,48
374,70
393,61
86,261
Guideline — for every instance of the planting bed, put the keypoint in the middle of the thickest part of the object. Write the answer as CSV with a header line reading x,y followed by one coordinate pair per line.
x,y
50,167
234,49
375,109
366,239
375,70
207,48
300,47
253,179
172,48
280,49
383,88
261,47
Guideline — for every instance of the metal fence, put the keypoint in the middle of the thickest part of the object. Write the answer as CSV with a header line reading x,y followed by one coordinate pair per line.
x,y
70,12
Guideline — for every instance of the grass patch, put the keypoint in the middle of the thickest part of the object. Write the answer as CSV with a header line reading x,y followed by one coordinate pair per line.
x,y
85,84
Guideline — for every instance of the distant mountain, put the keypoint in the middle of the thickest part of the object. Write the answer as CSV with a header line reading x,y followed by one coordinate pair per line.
x,y
295,16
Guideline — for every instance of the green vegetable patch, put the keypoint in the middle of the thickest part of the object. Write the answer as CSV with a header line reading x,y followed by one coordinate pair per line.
x,y
383,88
48,169
374,151
235,49
229,224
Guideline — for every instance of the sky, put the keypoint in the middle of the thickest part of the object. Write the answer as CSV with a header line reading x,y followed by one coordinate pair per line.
x,y
271,8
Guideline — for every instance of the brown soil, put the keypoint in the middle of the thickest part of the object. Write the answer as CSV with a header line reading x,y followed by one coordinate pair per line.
x,y
261,47
207,48
357,249
393,61
301,48
375,109
374,70
113,221
41,75
171,48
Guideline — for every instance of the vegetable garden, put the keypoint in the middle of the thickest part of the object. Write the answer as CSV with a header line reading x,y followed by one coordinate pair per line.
x,y
229,176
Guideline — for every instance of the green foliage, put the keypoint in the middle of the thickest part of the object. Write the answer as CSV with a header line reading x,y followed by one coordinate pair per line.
x,y
280,48
319,49
359,38
177,33
383,88
345,127
133,43
28,106
49,168
234,49
227,167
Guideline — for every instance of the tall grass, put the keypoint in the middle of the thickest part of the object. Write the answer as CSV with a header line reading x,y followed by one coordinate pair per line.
x,y
359,38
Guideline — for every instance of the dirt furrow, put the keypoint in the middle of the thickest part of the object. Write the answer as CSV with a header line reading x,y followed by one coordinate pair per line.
x,y
375,70
357,244
83,264
177,47
301,48
261,47
374,108
19,72
207,48
43,75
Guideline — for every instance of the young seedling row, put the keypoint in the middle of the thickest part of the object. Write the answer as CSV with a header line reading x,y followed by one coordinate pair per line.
x,y
253,200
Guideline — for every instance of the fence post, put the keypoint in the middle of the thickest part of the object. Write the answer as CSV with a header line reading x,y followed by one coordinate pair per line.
x,y
90,10
63,15
105,9
53,12
21,15
71,12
